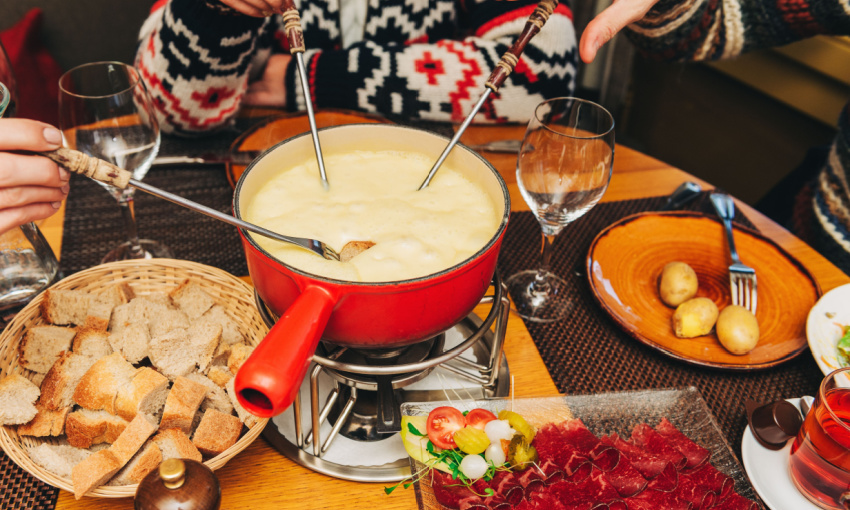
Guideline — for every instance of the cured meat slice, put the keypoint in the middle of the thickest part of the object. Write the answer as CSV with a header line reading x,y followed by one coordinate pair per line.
x,y
532,480
696,454
577,435
551,444
701,497
605,457
667,481
647,438
736,502
577,468
470,503
709,477
624,477
649,465
450,492
506,485
595,489
652,499
552,472
497,502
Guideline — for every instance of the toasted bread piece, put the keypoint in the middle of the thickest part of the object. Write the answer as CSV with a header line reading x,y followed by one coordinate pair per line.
x,y
59,459
65,307
92,341
230,333
146,393
139,466
47,422
192,299
104,302
247,418
17,400
133,437
182,402
238,354
132,341
100,384
168,320
180,351
85,428
217,432
174,444
216,397
219,375
57,388
93,471
42,345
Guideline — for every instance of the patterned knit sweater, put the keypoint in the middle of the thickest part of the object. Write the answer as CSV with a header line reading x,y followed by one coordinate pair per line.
x,y
684,30
425,59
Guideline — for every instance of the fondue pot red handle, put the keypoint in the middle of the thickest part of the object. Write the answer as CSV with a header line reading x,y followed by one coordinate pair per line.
x,y
268,381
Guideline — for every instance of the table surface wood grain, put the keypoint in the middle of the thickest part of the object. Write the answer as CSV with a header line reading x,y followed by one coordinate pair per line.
x,y
261,478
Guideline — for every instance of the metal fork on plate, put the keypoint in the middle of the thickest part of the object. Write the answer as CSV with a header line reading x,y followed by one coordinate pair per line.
x,y
742,278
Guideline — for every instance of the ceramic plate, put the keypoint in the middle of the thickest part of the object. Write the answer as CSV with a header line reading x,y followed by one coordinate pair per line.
x,y
606,413
279,128
626,259
768,472
825,326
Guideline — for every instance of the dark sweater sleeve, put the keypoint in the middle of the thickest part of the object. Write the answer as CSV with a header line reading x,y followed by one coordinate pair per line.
x,y
441,78
685,30
195,60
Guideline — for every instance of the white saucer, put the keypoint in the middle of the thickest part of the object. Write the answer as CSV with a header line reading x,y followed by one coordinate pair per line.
x,y
768,472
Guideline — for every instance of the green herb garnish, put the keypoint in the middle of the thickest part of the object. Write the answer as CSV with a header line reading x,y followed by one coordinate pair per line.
x,y
843,348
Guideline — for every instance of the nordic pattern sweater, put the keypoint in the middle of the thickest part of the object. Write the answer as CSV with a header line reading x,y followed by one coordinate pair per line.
x,y
419,59
689,30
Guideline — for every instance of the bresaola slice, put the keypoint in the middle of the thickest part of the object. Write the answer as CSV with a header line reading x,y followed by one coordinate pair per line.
x,y
696,454
648,439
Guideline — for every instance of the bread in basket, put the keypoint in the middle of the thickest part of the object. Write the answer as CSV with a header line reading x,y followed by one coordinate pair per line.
x,y
144,278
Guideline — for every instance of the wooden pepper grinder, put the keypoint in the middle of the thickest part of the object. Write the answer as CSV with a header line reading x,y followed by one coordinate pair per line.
x,y
182,484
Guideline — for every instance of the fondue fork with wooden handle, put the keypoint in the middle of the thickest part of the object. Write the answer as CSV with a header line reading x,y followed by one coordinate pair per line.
x,y
504,68
108,173
295,38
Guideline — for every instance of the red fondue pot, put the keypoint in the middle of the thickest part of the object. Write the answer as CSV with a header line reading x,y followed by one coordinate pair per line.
x,y
354,314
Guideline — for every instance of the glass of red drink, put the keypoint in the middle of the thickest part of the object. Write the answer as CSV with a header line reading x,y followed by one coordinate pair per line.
x,y
820,455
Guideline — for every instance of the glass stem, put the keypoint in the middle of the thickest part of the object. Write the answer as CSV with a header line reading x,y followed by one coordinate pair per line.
x,y
129,215
540,284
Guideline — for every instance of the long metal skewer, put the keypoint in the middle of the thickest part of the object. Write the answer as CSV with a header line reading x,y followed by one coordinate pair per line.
x,y
295,37
503,68
108,173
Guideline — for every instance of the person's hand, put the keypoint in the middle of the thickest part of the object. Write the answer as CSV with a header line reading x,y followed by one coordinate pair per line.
x,y
31,187
270,90
608,23
256,8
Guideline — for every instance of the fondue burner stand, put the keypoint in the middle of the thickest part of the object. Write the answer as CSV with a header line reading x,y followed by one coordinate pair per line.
x,y
354,395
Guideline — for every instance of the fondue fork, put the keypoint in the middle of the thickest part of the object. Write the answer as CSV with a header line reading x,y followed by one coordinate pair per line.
x,y
295,37
503,68
108,173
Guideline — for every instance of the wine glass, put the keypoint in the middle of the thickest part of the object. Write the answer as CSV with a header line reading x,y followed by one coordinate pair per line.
x,y
563,169
105,111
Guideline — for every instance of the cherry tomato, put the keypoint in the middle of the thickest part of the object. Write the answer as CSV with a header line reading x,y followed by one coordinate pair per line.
x,y
477,418
443,422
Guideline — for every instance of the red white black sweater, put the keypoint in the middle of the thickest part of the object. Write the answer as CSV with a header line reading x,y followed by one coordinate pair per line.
x,y
426,59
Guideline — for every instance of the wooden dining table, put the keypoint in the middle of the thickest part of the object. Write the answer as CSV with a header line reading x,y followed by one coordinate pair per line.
x,y
262,478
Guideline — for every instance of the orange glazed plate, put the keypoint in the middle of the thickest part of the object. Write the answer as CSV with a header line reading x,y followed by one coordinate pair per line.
x,y
626,259
282,127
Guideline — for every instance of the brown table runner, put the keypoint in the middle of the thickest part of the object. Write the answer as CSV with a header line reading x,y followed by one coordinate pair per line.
x,y
589,353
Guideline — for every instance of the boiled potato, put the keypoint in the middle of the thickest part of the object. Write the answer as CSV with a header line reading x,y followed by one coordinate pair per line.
x,y
677,284
695,317
737,329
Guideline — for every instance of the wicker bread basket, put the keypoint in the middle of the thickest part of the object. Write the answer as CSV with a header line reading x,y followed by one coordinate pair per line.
x,y
144,277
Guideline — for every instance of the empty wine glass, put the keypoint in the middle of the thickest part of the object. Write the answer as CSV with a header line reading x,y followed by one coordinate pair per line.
x,y
105,111
563,169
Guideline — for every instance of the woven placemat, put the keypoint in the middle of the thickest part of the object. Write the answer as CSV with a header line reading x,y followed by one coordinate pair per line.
x,y
19,489
588,352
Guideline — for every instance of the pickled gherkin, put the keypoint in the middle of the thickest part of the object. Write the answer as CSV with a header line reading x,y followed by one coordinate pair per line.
x,y
521,453
518,423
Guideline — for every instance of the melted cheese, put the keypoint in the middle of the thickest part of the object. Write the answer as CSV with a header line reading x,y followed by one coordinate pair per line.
x,y
373,196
